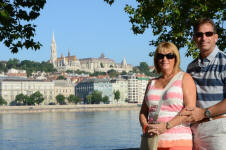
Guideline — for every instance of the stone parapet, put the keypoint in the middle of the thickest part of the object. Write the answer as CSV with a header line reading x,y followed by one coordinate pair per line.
x,y
67,108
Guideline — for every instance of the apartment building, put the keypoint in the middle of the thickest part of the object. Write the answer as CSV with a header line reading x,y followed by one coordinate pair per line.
x,y
9,88
87,86
136,88
64,87
122,86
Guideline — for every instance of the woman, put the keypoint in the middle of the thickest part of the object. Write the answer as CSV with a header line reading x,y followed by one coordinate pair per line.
x,y
174,133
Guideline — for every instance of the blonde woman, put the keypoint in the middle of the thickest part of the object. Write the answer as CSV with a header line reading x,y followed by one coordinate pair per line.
x,y
174,133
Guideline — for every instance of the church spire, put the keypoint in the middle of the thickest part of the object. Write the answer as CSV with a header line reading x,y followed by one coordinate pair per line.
x,y
53,51
124,64
53,38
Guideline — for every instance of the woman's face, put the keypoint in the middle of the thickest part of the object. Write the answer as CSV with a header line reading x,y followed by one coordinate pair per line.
x,y
166,61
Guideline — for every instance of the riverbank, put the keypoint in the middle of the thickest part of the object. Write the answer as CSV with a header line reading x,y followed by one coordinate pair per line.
x,y
67,108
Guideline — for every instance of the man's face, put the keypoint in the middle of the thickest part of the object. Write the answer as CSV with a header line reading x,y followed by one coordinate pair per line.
x,y
204,40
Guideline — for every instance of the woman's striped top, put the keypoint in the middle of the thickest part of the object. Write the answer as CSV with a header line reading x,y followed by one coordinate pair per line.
x,y
180,135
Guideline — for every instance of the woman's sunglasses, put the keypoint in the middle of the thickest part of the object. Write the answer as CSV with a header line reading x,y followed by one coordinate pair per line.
x,y
200,34
168,56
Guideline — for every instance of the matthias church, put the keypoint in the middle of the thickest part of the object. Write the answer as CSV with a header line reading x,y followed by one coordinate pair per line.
x,y
101,64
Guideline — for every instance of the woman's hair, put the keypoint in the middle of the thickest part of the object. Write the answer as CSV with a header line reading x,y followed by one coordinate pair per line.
x,y
167,47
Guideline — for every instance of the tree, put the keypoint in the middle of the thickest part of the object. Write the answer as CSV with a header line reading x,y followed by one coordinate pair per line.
x,y
89,99
30,101
69,71
144,68
135,69
105,100
2,101
101,65
21,99
3,67
60,99
47,67
37,98
112,73
16,28
96,97
117,95
73,99
123,73
12,63
172,20
97,73
60,77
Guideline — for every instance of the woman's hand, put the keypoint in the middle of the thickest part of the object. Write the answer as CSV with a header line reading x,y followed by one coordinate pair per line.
x,y
157,129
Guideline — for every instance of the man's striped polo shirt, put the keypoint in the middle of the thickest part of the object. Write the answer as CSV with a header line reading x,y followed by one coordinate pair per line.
x,y
209,75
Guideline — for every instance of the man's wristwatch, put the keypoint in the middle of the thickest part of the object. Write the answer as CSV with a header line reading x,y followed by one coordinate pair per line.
x,y
168,125
207,113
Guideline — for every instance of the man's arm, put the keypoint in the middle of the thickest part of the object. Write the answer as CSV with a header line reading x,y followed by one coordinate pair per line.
x,y
219,108
198,114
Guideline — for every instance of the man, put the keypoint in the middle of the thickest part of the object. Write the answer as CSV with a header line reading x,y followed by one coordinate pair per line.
x,y
209,74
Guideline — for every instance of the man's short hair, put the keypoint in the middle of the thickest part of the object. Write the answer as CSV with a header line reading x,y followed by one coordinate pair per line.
x,y
204,21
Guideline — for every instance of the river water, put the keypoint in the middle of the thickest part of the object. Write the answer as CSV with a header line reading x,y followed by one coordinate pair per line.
x,y
103,130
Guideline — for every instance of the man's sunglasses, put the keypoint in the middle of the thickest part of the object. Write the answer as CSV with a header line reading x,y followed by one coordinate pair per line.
x,y
168,56
200,34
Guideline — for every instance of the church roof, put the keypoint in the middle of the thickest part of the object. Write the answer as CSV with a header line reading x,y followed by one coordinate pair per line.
x,y
67,58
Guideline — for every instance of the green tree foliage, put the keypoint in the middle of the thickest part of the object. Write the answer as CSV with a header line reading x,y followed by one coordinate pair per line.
x,y
105,100
17,30
30,101
136,69
112,73
89,99
123,73
29,66
144,68
101,65
97,73
81,72
2,101
69,71
117,95
3,67
73,99
96,97
60,99
12,63
61,77
21,99
172,20
37,98
47,67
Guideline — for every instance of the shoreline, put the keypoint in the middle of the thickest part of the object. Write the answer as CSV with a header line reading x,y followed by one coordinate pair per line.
x,y
67,108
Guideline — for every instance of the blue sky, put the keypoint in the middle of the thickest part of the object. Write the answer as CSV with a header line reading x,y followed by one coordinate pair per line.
x,y
88,28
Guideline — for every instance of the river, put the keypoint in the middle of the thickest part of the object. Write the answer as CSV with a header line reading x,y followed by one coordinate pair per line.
x,y
101,130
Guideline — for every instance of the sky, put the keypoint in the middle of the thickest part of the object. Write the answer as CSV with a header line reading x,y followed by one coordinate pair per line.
x,y
88,28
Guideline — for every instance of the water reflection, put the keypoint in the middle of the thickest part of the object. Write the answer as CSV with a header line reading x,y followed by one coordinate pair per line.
x,y
118,130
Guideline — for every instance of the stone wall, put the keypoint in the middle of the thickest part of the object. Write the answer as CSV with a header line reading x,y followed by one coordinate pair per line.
x,y
67,108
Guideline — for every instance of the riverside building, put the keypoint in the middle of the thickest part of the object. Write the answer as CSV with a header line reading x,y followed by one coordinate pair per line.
x,y
64,87
9,88
87,86
106,86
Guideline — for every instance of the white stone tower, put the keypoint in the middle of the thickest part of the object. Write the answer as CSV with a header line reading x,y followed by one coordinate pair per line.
x,y
53,51
124,64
